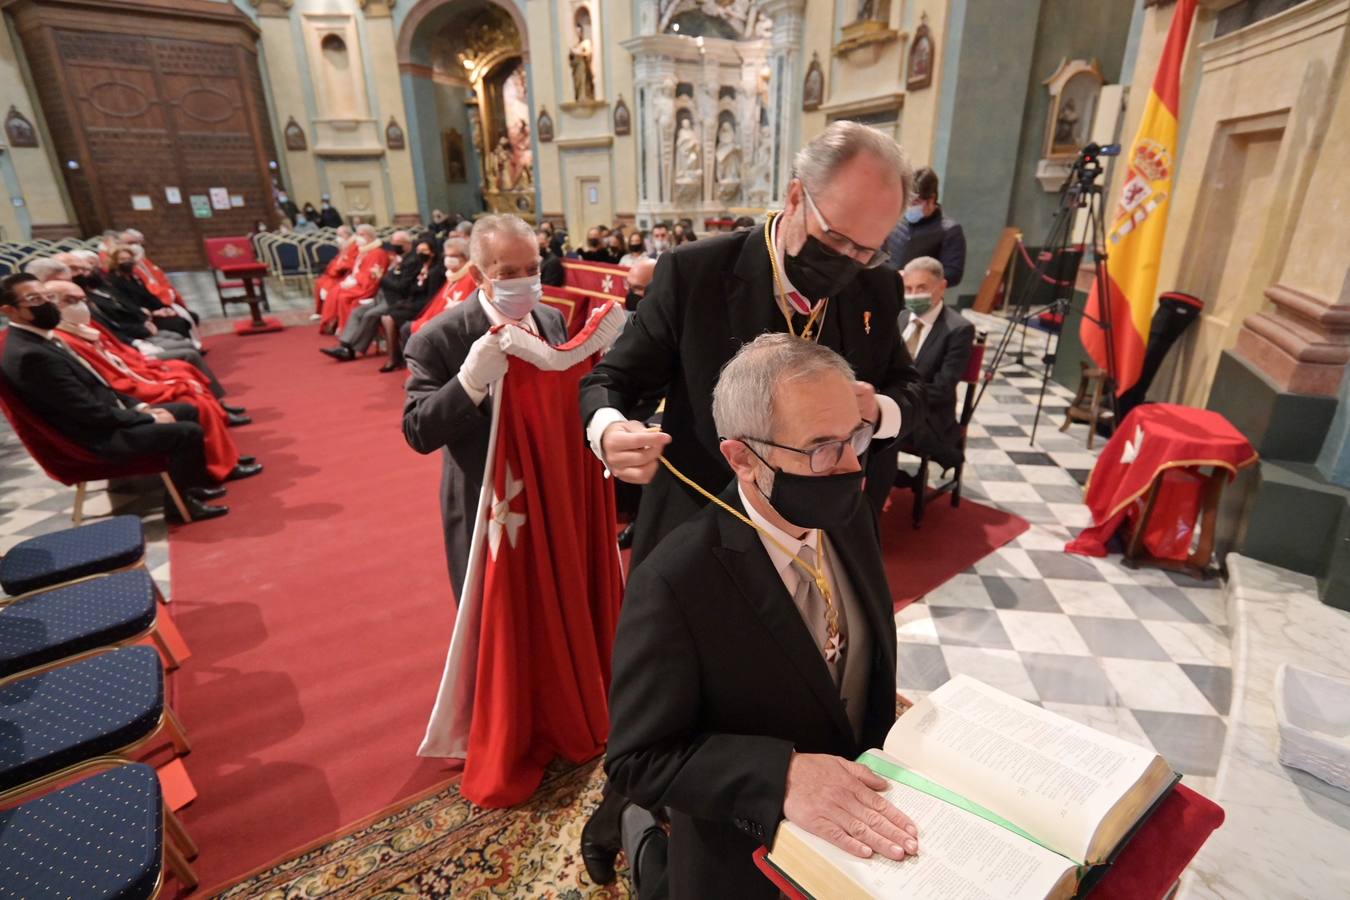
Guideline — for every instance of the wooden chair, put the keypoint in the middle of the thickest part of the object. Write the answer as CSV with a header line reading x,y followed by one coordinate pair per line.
x,y
73,465
922,495
237,270
1087,405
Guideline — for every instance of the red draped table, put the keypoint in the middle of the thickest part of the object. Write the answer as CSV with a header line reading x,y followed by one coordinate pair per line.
x,y
1151,476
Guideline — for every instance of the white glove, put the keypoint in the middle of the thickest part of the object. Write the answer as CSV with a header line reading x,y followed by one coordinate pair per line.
x,y
485,365
323,293
147,348
349,281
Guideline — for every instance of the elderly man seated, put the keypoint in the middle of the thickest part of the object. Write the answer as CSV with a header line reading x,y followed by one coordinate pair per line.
x,y
74,399
339,267
755,653
361,283
404,292
940,340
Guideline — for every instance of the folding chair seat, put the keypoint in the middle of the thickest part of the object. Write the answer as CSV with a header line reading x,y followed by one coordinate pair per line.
x,y
81,618
54,721
102,837
63,556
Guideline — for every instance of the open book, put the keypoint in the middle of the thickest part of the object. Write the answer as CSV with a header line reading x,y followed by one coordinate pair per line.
x,y
1011,801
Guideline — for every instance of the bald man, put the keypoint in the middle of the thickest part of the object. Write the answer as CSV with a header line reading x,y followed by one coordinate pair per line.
x,y
638,277
369,266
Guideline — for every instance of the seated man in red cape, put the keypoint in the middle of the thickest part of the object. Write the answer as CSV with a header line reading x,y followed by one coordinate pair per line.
x,y
338,268
127,371
362,283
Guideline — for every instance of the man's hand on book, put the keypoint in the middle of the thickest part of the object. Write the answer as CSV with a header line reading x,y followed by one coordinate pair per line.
x,y
837,800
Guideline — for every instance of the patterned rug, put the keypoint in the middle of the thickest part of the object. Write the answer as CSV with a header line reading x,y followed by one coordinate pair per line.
x,y
444,846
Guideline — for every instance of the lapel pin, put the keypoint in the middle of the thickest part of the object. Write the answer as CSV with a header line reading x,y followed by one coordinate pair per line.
x,y
867,321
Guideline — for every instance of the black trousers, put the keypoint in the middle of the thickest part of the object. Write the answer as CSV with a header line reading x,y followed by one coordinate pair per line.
x,y
181,442
175,323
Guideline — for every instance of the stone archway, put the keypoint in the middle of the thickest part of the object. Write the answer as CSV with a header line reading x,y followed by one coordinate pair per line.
x,y
463,64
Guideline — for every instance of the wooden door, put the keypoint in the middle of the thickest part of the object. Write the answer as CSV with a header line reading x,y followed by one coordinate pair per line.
x,y
139,106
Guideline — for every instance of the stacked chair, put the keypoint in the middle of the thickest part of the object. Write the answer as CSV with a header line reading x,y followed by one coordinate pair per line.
x,y
81,699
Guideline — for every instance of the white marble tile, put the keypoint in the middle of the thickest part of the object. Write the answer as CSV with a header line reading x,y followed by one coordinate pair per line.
x,y
914,624
1043,537
1075,515
1047,475
18,519
1008,561
1111,569
997,418
1148,684
1214,604
1011,492
1089,598
1190,642
1074,459
988,457
1002,669
964,589
1113,720
1042,632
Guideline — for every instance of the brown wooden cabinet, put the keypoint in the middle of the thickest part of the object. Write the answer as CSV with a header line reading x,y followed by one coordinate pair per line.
x,y
141,96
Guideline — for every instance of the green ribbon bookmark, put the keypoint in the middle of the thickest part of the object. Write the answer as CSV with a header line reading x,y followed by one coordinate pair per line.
x,y
933,789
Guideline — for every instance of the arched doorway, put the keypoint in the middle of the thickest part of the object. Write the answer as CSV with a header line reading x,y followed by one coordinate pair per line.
x,y
464,65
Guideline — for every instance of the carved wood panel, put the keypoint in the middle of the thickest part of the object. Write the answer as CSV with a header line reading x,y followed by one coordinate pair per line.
x,y
137,103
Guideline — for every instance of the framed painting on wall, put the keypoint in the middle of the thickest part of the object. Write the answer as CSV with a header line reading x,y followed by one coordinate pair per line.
x,y
919,68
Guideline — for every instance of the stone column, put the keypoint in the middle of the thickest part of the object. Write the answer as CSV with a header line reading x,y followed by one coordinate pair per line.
x,y
654,87
785,86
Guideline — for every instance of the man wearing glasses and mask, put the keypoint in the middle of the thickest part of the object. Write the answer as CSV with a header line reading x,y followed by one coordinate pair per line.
x,y
814,271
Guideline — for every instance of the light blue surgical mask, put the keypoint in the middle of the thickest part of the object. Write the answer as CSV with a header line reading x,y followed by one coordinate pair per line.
x,y
918,304
914,214
515,298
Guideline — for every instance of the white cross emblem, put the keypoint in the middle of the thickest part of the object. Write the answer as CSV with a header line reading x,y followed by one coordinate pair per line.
x,y
501,517
834,648
607,286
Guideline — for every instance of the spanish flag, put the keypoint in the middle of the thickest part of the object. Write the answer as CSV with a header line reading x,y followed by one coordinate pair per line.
x,y
1135,239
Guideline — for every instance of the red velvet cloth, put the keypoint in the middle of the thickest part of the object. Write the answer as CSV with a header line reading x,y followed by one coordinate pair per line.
x,y
128,371
451,293
156,281
367,270
551,592
600,281
1154,438
1145,870
338,269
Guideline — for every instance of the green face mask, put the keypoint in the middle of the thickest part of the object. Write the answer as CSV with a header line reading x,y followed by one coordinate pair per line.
x,y
918,304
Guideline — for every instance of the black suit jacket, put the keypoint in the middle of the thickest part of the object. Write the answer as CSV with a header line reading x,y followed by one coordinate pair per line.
x,y
942,361
52,382
717,681
126,318
705,300
437,411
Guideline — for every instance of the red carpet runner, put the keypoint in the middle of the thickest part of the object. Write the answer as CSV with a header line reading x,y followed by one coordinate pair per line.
x,y
953,540
318,610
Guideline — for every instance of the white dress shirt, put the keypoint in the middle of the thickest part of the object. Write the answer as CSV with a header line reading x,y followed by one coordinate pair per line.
x,y
888,411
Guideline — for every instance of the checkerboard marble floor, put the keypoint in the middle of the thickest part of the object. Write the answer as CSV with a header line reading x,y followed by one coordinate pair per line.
x,y
1142,654
1139,653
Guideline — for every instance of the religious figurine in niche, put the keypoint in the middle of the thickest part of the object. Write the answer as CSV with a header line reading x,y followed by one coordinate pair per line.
x,y
500,170
456,167
623,123
920,71
580,56
813,90
728,156
544,128
18,130
688,160
880,10
393,135
761,170
295,136
1066,123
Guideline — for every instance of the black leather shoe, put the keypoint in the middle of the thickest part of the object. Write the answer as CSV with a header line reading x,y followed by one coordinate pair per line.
x,y
601,838
247,460
244,470
392,367
342,353
234,420
197,509
626,537
207,493
237,410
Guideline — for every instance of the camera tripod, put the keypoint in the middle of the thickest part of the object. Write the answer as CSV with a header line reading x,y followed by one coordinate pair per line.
x,y
1079,191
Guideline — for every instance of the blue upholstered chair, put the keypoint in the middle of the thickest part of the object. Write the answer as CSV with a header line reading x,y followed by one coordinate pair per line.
x,y
63,556
55,626
107,836
55,722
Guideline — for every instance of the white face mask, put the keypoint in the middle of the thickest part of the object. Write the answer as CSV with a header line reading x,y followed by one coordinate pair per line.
x,y
515,298
453,263
76,313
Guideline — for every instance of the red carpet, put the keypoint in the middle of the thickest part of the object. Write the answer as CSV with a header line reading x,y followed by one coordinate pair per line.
x,y
951,540
318,610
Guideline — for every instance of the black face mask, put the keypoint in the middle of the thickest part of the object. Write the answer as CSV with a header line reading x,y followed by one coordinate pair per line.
x,y
635,248
89,282
46,315
424,257
819,272
126,268
592,242
815,501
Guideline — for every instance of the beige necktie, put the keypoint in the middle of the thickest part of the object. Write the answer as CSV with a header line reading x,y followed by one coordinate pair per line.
x,y
913,343
811,604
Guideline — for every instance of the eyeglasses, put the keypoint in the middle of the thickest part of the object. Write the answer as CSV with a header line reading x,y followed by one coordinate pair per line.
x,y
870,257
37,299
824,457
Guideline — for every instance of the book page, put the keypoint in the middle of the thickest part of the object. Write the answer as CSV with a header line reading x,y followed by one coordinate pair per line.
x,y
961,857
1049,775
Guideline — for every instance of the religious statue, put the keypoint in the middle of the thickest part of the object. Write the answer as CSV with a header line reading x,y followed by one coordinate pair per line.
x,y
1067,123
583,78
688,162
502,177
761,168
728,168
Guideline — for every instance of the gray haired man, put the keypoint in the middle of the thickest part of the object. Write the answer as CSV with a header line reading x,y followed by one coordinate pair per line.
x,y
454,360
